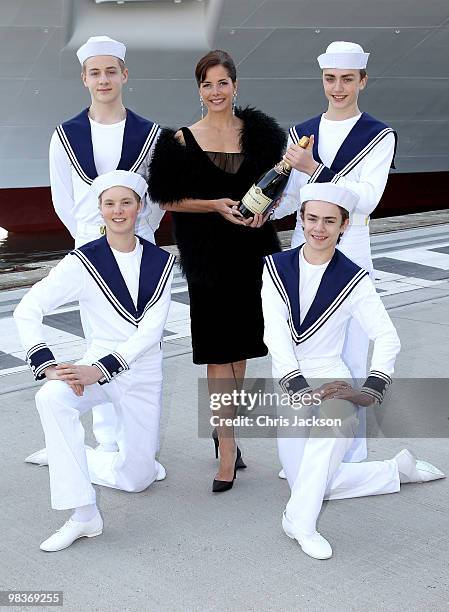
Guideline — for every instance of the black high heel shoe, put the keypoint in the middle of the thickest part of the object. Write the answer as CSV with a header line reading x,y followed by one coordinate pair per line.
x,y
239,463
219,486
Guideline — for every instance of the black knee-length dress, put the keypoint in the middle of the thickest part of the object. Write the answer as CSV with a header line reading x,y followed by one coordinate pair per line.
x,y
222,262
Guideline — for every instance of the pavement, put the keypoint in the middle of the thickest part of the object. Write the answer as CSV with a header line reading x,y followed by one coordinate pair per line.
x,y
178,547
18,269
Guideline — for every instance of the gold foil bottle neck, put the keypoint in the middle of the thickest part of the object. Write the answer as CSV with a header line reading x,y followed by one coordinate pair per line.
x,y
283,167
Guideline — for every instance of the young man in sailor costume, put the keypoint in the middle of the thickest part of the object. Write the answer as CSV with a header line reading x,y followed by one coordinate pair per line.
x,y
101,138
351,149
123,283
309,296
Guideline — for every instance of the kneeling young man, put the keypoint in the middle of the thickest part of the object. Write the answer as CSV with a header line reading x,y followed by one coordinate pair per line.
x,y
310,294
123,284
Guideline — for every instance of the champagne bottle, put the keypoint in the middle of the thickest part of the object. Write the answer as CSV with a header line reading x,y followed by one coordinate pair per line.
x,y
263,194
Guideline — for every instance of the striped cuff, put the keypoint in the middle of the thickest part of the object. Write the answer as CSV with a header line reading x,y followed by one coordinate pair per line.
x,y
111,365
376,385
322,174
40,357
295,385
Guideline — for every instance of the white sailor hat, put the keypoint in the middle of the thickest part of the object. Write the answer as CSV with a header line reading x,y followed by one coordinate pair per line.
x,y
342,54
101,45
120,178
330,192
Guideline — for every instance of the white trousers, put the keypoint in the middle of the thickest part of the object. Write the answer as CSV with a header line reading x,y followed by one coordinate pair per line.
x,y
355,356
136,398
315,470
355,244
104,418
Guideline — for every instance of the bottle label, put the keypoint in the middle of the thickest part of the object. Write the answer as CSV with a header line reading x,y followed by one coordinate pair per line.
x,y
256,201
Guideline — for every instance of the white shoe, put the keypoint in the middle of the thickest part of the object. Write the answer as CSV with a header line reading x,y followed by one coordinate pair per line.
x,y
71,531
40,457
282,475
313,545
161,473
415,470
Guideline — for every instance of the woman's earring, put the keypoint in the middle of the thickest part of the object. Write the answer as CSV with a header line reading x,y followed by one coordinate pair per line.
x,y
234,97
202,107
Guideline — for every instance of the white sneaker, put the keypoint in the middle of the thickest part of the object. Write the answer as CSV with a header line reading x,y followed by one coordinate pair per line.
x,y
71,531
161,473
313,545
40,457
415,470
282,475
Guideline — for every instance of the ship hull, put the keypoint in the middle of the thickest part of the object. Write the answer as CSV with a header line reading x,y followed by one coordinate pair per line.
x,y
29,210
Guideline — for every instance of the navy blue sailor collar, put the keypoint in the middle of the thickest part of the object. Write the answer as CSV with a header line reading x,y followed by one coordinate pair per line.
x,y
363,136
76,138
338,280
155,269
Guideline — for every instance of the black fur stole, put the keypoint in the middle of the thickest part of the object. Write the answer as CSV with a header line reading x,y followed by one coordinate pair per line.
x,y
207,242
174,174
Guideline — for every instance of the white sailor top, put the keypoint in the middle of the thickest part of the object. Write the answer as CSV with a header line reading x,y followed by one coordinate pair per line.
x,y
344,292
362,163
121,332
73,169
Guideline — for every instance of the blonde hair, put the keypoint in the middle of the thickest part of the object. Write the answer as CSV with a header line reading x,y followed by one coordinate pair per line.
x,y
121,63
136,196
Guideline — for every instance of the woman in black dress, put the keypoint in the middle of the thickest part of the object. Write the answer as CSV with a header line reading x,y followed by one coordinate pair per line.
x,y
200,173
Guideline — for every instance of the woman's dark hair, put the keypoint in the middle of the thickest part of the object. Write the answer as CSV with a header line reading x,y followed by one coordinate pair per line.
x,y
215,58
